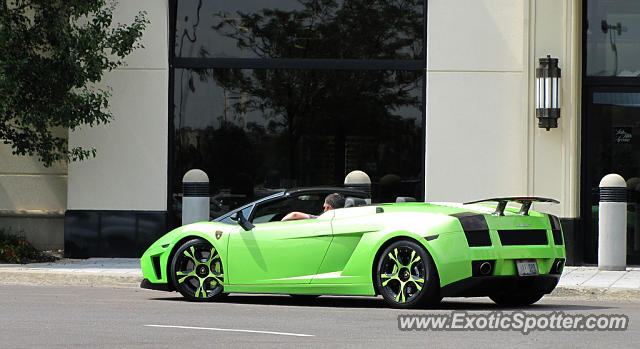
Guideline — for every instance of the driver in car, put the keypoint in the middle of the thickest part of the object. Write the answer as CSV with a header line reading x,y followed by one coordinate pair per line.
x,y
335,200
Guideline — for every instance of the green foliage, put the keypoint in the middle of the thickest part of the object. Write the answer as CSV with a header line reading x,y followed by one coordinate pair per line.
x,y
51,54
15,248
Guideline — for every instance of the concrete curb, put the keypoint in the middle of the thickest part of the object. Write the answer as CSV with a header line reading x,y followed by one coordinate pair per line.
x,y
596,293
22,276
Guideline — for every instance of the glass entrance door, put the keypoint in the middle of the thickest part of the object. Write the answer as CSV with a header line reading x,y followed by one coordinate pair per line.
x,y
611,145
610,117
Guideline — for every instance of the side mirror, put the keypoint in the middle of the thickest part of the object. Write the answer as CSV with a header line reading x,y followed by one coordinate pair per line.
x,y
239,218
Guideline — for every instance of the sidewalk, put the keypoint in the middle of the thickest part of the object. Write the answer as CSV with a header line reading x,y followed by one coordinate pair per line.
x,y
117,272
593,283
125,272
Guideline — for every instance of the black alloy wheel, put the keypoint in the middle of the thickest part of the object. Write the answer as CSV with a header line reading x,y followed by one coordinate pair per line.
x,y
406,277
196,271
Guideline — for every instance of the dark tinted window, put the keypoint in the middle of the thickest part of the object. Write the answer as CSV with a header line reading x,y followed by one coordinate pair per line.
x,y
254,131
613,133
269,95
335,29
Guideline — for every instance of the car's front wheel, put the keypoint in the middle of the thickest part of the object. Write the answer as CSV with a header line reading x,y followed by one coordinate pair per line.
x,y
196,271
406,276
516,300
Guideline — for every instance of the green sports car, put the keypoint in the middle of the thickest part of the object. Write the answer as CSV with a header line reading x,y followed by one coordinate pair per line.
x,y
411,253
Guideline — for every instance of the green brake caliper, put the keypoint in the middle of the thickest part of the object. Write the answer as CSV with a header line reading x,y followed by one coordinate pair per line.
x,y
215,273
400,298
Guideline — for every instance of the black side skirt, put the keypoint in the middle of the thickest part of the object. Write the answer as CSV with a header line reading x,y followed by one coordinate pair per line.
x,y
479,286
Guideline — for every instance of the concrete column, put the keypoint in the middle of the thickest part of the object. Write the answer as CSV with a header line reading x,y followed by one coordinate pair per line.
x,y
195,198
612,223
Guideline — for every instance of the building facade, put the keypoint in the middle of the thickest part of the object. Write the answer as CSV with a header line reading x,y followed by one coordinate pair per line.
x,y
434,99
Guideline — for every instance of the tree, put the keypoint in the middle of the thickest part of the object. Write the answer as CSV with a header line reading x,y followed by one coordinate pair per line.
x,y
52,54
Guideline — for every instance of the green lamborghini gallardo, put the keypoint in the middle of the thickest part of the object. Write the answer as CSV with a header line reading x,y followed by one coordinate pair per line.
x,y
410,253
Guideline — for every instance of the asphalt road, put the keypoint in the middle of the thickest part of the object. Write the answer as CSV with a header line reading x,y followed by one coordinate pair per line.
x,y
84,317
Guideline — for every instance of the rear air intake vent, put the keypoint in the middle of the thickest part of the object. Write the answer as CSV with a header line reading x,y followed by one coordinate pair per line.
x,y
557,236
475,228
523,237
556,230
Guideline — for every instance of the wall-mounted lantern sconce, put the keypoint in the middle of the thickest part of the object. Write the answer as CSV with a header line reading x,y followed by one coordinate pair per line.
x,y
548,92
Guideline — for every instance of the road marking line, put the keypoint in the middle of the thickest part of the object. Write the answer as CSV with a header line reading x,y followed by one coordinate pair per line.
x,y
233,330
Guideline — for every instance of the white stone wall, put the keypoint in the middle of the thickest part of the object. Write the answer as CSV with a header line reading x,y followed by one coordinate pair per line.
x,y
32,199
482,136
130,170
26,185
554,156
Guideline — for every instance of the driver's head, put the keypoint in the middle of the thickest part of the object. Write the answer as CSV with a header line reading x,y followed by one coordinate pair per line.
x,y
335,200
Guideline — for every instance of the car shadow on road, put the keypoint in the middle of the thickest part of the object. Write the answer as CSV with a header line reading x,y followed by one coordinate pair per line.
x,y
462,304
323,301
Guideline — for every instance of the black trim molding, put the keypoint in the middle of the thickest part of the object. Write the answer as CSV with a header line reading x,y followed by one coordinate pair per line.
x,y
195,189
613,194
111,233
284,63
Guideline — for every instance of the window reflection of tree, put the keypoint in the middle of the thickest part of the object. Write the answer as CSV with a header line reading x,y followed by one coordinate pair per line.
x,y
341,104
337,106
349,29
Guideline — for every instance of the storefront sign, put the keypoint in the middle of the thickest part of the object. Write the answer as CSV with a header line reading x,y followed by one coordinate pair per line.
x,y
623,134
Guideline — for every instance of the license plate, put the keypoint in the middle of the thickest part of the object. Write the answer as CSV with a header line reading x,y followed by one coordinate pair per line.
x,y
527,267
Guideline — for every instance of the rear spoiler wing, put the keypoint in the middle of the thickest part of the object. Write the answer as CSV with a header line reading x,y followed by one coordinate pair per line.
x,y
525,201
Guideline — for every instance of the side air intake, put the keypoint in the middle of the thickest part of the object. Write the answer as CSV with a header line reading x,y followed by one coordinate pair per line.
x,y
156,266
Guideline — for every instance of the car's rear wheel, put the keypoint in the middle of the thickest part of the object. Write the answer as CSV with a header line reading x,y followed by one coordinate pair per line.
x,y
196,271
516,300
406,277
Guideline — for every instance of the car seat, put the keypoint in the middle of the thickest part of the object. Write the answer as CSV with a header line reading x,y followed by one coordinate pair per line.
x,y
353,202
